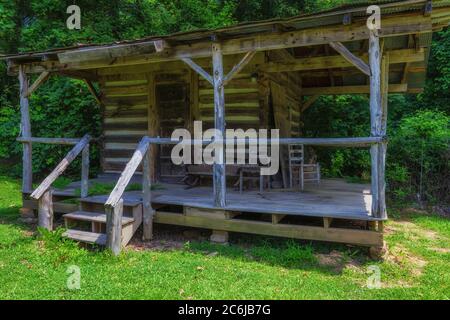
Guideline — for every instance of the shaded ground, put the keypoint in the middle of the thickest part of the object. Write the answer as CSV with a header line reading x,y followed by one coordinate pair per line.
x,y
181,264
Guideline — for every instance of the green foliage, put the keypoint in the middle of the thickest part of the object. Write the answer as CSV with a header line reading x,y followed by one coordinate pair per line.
x,y
419,163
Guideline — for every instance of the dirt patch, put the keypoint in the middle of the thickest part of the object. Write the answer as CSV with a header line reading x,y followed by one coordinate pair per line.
x,y
167,238
404,258
440,250
412,229
336,261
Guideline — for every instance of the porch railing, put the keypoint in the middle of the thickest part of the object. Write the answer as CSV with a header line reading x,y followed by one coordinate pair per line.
x,y
114,204
43,193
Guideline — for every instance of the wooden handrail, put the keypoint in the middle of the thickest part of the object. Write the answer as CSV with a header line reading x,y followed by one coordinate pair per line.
x,y
60,141
45,185
127,174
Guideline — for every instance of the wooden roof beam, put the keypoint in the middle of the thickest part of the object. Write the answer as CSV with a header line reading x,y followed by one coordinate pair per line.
x,y
39,81
327,62
350,57
393,88
393,25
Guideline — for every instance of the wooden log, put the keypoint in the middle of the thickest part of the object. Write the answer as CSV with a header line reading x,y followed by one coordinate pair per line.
x,y
375,116
40,80
350,57
310,102
219,178
393,25
45,185
393,88
238,67
153,125
25,128
62,141
127,174
148,211
338,61
198,69
382,147
45,210
114,227
85,171
326,142
94,93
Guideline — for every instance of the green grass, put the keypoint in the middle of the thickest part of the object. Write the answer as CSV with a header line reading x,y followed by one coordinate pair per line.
x,y
252,267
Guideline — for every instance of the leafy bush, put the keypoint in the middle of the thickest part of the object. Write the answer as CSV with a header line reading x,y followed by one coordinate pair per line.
x,y
418,161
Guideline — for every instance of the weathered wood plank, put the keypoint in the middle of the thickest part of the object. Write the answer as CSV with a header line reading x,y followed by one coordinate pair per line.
x,y
337,61
62,141
94,92
127,173
45,185
357,237
219,178
148,211
45,211
350,57
85,171
393,88
375,115
198,69
114,227
25,128
40,80
238,67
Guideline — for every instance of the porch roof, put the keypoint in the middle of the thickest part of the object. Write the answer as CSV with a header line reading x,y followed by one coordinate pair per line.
x,y
405,25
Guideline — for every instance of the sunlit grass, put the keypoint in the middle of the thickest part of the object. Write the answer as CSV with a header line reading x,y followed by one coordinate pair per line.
x,y
252,267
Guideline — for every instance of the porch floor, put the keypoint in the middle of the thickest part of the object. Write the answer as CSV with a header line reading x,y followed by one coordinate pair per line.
x,y
333,198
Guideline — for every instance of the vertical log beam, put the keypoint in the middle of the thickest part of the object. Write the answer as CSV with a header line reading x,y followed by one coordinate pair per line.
x,y
376,120
153,124
219,121
382,147
85,172
114,227
45,210
148,211
25,128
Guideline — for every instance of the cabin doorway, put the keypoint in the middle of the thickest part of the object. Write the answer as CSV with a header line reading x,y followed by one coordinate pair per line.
x,y
173,105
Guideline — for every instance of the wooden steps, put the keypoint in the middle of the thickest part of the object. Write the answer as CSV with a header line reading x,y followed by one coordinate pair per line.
x,y
94,217
86,237
91,215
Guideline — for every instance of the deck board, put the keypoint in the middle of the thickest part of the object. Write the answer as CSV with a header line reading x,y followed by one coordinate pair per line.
x,y
333,198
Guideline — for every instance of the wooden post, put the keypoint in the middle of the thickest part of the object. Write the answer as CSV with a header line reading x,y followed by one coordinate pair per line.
x,y
25,128
85,172
219,122
382,147
153,124
375,115
114,227
148,211
45,210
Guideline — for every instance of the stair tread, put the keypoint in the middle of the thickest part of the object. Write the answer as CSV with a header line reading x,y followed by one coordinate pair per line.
x,y
94,217
130,200
85,236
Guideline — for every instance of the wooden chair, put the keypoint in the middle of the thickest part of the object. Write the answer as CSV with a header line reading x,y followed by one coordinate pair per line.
x,y
305,171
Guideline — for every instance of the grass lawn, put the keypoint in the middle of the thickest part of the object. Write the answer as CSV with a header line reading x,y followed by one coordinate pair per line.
x,y
252,267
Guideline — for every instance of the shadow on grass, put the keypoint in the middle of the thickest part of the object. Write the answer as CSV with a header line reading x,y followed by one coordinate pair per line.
x,y
280,252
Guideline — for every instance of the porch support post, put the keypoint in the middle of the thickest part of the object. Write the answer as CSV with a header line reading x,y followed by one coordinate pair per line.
x,y
147,209
377,151
219,174
382,147
25,128
153,125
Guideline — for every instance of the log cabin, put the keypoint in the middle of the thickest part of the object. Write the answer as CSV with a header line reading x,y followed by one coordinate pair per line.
x,y
260,75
